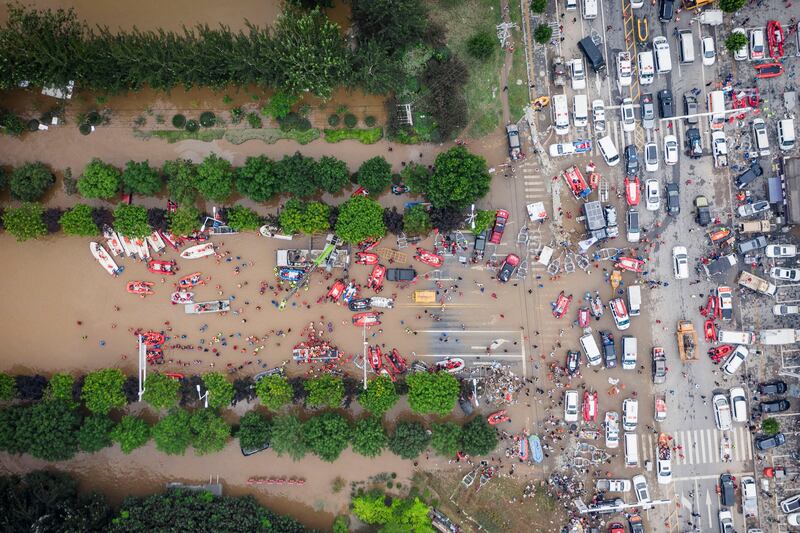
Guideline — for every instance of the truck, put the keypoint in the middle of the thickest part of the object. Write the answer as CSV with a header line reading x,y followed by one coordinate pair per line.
x,y
612,485
687,340
778,336
660,406
749,497
559,71
720,149
297,258
754,283
720,265
756,226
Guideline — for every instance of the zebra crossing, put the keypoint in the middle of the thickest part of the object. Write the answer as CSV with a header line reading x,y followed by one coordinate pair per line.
x,y
701,446
535,190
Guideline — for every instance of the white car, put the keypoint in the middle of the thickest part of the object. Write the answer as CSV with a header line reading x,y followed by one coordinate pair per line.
x,y
628,115
571,406
652,195
680,262
785,310
725,302
670,149
791,504
739,404
735,360
612,429
741,53
599,116
709,51
641,490
785,274
663,471
624,69
651,157
748,210
561,149
756,44
614,485
722,412
793,519
578,74
725,518
781,251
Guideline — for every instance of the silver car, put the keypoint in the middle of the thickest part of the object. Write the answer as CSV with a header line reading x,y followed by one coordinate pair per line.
x,y
651,157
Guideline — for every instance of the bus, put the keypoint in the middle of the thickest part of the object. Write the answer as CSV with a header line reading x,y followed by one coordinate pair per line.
x,y
560,114
716,108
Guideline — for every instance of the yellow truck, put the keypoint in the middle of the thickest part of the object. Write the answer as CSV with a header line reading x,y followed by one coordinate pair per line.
x,y
687,341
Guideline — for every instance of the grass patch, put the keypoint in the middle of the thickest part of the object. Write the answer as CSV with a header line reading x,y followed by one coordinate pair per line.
x,y
463,20
364,136
173,136
517,94
270,135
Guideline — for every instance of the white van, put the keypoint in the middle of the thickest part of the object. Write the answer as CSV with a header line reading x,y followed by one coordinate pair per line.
x,y
663,58
580,110
631,450
629,349
761,137
647,68
589,9
590,349
686,46
634,299
571,5
786,135
560,114
715,102
609,150
630,414
736,337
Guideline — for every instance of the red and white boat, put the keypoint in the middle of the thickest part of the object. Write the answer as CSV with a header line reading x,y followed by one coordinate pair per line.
x,y
142,288
451,365
336,291
577,183
632,190
497,418
366,258
171,240
590,406
396,361
156,242
142,247
375,281
719,353
159,266
131,250
153,338
561,305
711,331
429,258
629,263
361,191
375,358
112,241
370,318
775,39
191,280
583,317
199,250
768,70
105,260
182,297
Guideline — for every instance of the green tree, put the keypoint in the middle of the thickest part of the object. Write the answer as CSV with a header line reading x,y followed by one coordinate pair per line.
x,y
132,432
538,6
280,105
327,435
181,181
25,222
254,431
478,438
332,174
482,45
379,396
257,179
484,220
215,178
141,178
341,524
731,6
8,387
409,440
459,179
394,24
369,437
50,430
297,175
274,391
131,220
78,221
417,221
416,177
360,218
95,433
220,390
324,391
161,391
209,432
432,392
30,181
310,40
11,418
372,509
184,220
542,34
376,70
287,437
446,438
99,180
102,390
735,42
243,218
60,388
375,175
172,434
770,426
306,217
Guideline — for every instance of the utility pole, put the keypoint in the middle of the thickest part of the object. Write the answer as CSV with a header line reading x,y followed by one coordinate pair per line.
x,y
142,366
364,339
202,397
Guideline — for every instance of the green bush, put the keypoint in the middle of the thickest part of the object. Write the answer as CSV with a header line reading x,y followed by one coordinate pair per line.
x,y
141,178
172,434
161,391
184,220
25,222
79,221
237,114
482,45
220,390
274,391
192,125
85,129
95,433
30,181
484,220
215,178
731,6
99,180
243,218
294,122
132,432
131,221
333,120
207,119
280,105
538,6
379,396
417,221
60,388
326,390
370,121
409,440
350,120
327,435
209,432
102,390
254,120
254,431
735,42
8,387
179,121
542,34
770,426
364,136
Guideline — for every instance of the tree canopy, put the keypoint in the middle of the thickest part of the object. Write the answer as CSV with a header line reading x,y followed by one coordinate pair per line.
x,y
181,181
215,178
409,440
375,175
141,178
297,175
184,220
161,391
432,392
360,218
102,390
287,436
446,438
49,430
99,180
735,42
25,222
395,514
220,390
327,435
30,181
209,432
78,221
132,432
416,220
95,433
731,6
172,433
332,174
306,217
324,391
478,437
459,179
254,431
379,396
274,391
242,218
131,220
369,437
257,179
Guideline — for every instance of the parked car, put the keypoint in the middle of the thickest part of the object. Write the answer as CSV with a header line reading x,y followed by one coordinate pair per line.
x,y
749,176
666,10
631,160
725,302
680,262
648,111
652,195
628,115
673,199
785,274
641,490
514,146
636,523
401,274
772,387
785,310
561,149
774,406
651,156
756,44
616,527
738,404
571,406
741,53
694,148
752,245
599,116
734,360
633,234
501,217
665,107
578,74
725,519
659,365
709,51
508,267
781,251
670,150
727,492
609,351
702,211
748,210
791,504
766,443
691,109
722,412
619,312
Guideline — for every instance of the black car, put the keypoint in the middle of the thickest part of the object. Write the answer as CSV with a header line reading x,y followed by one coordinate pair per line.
x,y
703,213
765,443
508,268
727,493
775,406
666,10
573,361
359,304
609,352
690,108
749,175
665,107
631,160
466,405
772,387
694,148
401,274
673,199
